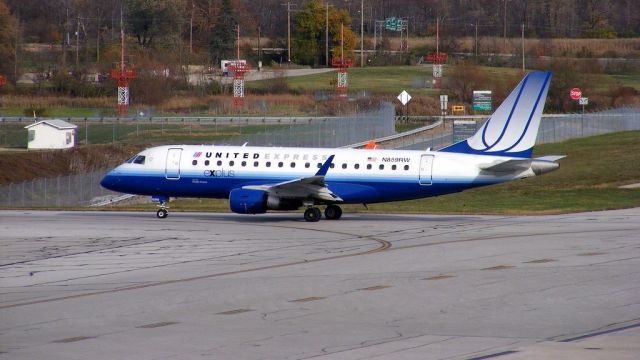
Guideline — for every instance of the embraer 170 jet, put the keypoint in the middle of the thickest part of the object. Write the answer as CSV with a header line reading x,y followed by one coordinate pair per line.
x,y
257,179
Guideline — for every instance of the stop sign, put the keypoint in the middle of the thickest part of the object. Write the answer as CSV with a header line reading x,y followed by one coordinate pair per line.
x,y
575,93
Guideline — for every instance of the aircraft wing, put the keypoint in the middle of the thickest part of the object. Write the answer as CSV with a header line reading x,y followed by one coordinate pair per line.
x,y
312,187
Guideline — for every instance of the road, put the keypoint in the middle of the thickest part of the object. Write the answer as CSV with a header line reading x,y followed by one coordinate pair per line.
x,y
105,285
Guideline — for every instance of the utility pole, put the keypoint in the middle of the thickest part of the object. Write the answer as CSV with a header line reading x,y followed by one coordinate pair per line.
x,y
191,29
289,31
78,42
65,38
15,53
504,35
326,35
361,33
522,46
259,50
476,40
98,40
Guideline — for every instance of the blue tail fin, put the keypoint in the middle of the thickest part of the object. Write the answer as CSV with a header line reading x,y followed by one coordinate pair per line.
x,y
513,127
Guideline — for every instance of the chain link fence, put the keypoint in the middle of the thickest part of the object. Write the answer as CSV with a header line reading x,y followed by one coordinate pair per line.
x,y
60,191
553,128
85,189
327,131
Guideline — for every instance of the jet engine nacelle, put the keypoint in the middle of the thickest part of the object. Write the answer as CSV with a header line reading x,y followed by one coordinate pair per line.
x,y
247,201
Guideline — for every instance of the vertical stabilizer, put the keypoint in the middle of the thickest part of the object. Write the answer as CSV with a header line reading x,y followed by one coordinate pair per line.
x,y
513,127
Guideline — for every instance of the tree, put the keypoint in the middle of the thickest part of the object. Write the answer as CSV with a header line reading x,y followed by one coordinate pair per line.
x,y
309,38
8,31
153,18
222,44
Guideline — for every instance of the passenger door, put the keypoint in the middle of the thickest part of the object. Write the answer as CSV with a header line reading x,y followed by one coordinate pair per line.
x,y
426,167
172,170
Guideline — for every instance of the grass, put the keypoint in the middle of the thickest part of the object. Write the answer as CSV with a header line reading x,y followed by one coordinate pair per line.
x,y
588,180
373,80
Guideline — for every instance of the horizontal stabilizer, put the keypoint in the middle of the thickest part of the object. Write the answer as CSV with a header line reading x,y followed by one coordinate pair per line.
x,y
551,157
539,165
507,166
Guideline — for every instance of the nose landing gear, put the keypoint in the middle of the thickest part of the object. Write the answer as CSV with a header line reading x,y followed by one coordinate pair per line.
x,y
162,204
162,213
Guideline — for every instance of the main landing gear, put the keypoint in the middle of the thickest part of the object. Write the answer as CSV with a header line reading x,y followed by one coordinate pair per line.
x,y
313,214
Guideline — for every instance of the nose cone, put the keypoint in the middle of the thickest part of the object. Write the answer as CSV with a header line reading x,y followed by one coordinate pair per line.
x,y
110,181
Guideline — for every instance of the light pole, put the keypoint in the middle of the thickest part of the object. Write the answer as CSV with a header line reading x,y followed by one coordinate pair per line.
x,y
361,33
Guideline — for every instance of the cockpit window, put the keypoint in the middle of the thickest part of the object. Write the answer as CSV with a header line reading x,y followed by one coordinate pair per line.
x,y
139,159
130,160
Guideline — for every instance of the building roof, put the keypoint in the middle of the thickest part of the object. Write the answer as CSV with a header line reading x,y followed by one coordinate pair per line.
x,y
56,123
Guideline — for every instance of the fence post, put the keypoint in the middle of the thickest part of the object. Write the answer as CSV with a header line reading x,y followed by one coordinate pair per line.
x,y
58,191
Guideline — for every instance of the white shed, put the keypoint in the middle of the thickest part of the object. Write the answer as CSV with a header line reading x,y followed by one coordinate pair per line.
x,y
51,134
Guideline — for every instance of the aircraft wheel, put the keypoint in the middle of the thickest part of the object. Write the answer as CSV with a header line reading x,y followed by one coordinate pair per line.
x,y
333,212
162,213
312,214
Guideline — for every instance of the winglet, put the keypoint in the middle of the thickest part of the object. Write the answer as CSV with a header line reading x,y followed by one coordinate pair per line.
x,y
325,167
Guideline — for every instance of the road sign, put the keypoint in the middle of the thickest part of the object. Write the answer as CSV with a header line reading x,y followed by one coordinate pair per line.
x,y
482,100
444,100
575,93
583,101
457,109
404,97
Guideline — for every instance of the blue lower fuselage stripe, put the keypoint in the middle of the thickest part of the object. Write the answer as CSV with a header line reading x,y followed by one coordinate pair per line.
x,y
351,190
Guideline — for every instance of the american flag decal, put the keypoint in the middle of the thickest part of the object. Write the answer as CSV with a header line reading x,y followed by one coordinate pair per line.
x,y
372,159
197,154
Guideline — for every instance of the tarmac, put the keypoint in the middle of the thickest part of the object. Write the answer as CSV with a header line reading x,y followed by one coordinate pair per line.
x,y
126,285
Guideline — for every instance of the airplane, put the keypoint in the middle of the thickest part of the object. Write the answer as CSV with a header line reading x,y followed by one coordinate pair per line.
x,y
258,179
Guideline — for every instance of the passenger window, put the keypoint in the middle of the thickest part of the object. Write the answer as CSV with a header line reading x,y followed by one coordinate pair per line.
x,y
139,159
306,165
244,163
406,167
194,162
255,164
368,166
381,167
393,167
268,163
280,164
206,162
219,162
231,163
332,165
344,166
356,166
319,165
293,164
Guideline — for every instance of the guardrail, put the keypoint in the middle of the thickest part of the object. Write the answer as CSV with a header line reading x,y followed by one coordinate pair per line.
x,y
396,136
